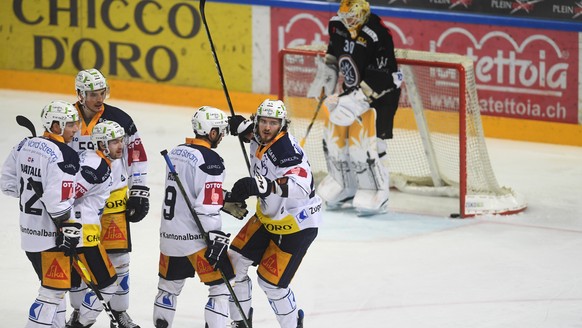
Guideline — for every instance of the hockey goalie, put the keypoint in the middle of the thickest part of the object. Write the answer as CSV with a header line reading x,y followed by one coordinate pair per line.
x,y
361,52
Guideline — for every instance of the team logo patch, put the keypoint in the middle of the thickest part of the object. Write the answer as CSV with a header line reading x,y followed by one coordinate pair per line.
x,y
213,193
301,216
67,188
80,190
299,171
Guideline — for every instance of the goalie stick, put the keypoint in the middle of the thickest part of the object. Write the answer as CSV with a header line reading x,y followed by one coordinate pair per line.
x,y
202,231
322,97
77,264
25,122
222,81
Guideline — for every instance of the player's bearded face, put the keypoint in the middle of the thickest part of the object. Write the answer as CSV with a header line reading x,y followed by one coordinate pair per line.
x,y
269,128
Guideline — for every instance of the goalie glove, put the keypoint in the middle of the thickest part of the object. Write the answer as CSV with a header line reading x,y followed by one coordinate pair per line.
x,y
346,108
217,245
68,237
326,77
241,127
238,209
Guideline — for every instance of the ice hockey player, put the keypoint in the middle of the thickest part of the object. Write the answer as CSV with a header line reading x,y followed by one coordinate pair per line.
x,y
183,251
362,116
287,218
93,186
49,233
129,176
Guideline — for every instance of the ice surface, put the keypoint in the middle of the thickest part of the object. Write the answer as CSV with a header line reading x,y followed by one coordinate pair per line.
x,y
413,267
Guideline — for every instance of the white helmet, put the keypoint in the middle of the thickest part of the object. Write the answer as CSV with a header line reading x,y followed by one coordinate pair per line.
x,y
273,109
60,111
90,80
208,118
106,131
353,14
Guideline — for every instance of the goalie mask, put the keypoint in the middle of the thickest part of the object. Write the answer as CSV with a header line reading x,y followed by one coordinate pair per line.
x,y
59,111
90,80
208,118
104,132
353,13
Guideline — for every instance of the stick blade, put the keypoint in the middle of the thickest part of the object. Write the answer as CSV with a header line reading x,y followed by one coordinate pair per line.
x,y
25,122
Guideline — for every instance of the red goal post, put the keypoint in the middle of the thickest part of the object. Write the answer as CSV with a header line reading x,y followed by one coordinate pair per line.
x,y
438,147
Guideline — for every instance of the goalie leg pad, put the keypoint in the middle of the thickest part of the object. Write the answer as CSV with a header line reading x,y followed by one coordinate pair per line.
x,y
167,299
340,184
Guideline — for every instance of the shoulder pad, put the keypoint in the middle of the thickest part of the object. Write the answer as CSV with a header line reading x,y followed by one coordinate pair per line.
x,y
213,163
283,153
70,163
115,114
96,175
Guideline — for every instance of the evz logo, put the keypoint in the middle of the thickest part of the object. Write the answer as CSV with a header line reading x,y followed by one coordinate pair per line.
x,y
349,71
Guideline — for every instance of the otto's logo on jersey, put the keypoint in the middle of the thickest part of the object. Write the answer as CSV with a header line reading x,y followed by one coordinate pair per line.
x,y
80,190
67,188
213,193
299,171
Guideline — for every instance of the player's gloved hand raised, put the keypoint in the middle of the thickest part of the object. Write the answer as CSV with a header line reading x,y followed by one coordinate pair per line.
x,y
138,204
68,237
251,186
238,209
241,127
216,252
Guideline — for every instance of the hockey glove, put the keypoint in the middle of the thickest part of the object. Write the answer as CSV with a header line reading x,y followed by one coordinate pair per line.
x,y
241,127
138,204
247,187
68,237
216,252
234,208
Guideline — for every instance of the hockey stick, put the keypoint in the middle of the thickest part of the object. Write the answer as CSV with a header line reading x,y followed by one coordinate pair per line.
x,y
322,97
25,122
222,81
77,264
201,229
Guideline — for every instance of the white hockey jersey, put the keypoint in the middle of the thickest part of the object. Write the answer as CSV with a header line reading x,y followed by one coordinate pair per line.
x,y
132,169
52,165
201,172
93,185
283,158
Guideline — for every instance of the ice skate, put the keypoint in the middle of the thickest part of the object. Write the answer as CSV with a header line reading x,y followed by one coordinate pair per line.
x,y
124,320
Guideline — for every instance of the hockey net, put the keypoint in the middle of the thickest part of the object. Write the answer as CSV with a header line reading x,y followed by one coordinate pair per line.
x,y
438,147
